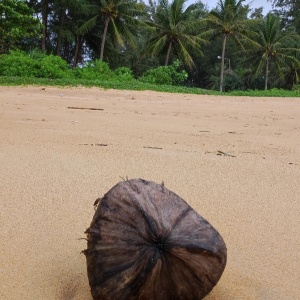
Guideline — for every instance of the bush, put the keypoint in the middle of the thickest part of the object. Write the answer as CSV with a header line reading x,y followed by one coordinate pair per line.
x,y
53,67
93,70
232,81
167,75
160,75
124,74
35,64
296,87
17,63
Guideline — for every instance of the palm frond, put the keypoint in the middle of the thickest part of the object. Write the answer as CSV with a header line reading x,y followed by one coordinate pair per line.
x,y
116,32
175,23
87,26
184,54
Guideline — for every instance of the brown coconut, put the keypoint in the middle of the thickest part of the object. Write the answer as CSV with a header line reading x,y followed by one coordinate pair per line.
x,y
145,242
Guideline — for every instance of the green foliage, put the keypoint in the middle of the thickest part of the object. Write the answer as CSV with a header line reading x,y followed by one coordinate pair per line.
x,y
267,93
18,63
173,28
272,50
296,88
170,29
160,75
228,20
93,70
53,67
231,81
140,86
16,24
116,18
19,68
167,75
124,74
289,12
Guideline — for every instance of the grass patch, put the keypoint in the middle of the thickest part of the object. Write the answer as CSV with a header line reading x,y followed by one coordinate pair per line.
x,y
268,93
140,86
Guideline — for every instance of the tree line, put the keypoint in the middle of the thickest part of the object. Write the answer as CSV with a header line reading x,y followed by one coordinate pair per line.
x,y
228,47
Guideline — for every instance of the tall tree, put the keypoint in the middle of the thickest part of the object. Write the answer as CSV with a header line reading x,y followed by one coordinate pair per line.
x,y
42,8
272,46
67,17
45,12
289,11
173,26
291,71
17,24
228,19
116,16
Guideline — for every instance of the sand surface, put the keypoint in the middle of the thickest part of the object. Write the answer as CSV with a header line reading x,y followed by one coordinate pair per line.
x,y
55,161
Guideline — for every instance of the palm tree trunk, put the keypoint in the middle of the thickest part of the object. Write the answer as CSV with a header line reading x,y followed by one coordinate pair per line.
x,y
44,23
104,37
59,35
168,53
222,63
77,51
267,73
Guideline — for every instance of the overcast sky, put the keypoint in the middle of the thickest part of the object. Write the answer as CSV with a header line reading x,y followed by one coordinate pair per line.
x,y
253,4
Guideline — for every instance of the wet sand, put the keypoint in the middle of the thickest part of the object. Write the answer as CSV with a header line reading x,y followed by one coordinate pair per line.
x,y
236,160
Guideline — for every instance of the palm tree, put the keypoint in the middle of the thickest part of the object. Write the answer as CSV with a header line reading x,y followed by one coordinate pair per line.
x,y
43,9
173,27
273,45
67,18
227,20
291,73
289,12
116,15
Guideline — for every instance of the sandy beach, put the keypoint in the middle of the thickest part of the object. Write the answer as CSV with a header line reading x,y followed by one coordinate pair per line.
x,y
235,160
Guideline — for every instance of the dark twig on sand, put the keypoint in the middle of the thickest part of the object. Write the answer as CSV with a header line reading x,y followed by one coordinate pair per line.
x,y
87,108
149,147
224,153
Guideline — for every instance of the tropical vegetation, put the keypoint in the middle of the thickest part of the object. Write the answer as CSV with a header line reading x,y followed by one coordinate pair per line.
x,y
173,26
228,20
141,44
272,47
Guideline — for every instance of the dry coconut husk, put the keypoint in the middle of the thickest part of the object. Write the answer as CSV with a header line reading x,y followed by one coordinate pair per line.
x,y
145,242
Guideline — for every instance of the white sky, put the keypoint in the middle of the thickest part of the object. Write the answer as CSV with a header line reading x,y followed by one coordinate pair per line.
x,y
267,5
